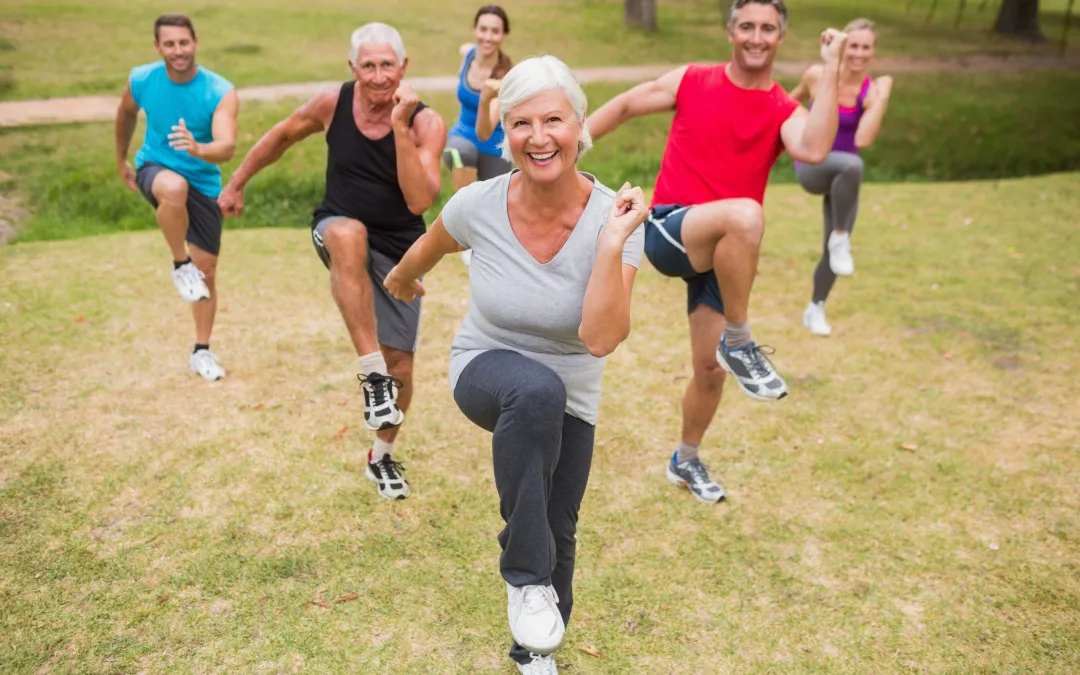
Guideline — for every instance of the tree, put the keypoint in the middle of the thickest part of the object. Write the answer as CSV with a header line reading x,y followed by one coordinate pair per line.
x,y
1020,19
640,13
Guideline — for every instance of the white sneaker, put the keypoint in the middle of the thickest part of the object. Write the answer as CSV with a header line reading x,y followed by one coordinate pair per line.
x,y
540,665
840,260
813,317
189,281
535,621
205,363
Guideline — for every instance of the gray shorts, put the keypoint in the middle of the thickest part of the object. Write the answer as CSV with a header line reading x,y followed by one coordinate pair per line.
x,y
397,323
204,215
460,153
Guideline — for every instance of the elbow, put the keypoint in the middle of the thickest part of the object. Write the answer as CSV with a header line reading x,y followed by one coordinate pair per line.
x,y
417,207
863,142
602,345
816,155
228,152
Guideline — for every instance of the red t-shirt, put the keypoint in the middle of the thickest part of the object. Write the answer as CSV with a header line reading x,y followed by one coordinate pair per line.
x,y
724,139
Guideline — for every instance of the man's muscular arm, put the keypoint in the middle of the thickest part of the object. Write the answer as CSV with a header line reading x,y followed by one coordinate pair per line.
x,y
418,150
656,96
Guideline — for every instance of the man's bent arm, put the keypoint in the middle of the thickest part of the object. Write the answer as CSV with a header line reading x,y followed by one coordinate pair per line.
x,y
127,115
418,170
656,96
223,131
809,137
305,121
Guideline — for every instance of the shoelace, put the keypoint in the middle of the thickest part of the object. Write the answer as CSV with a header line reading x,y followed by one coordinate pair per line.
x,y
390,469
541,665
204,354
698,472
755,359
537,598
380,386
191,274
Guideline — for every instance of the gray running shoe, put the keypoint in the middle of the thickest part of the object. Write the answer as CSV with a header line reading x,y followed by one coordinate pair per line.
x,y
753,372
695,477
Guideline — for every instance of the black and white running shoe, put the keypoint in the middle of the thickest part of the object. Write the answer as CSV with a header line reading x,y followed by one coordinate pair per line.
x,y
380,401
389,477
753,371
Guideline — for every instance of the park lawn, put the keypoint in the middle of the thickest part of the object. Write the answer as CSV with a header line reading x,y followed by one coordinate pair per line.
x,y
940,126
151,522
81,47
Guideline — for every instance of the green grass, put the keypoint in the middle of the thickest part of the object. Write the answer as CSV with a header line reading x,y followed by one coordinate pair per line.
x,y
944,126
88,46
150,522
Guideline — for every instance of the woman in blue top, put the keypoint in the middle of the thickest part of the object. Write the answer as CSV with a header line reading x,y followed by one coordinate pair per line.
x,y
472,147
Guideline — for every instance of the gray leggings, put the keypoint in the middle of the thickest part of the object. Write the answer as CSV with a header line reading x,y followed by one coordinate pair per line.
x,y
541,457
838,178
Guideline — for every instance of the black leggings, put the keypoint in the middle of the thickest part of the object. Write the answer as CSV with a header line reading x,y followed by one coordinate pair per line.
x,y
541,457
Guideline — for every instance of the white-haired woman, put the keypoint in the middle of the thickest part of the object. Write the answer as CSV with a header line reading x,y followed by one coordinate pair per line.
x,y
553,265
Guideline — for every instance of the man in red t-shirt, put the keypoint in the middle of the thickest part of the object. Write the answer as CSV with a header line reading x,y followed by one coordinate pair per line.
x,y
731,123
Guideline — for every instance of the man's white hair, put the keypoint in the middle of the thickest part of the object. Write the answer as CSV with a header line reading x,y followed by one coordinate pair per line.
x,y
536,75
376,33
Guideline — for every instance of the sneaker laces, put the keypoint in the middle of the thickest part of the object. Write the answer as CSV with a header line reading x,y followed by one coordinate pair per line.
x,y
756,361
698,471
540,664
390,469
537,598
204,354
190,274
380,386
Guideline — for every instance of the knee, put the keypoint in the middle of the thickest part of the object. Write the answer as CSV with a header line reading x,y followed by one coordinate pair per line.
x,y
346,240
709,376
748,220
541,395
170,189
853,168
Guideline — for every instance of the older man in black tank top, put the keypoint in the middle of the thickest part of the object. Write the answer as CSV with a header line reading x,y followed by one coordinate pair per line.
x,y
382,173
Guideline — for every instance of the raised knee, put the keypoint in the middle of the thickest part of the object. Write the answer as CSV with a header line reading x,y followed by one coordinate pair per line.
x,y
853,168
748,219
346,237
173,189
543,394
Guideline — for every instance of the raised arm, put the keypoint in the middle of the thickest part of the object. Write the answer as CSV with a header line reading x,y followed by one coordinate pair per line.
x,y
605,312
403,281
418,150
876,104
487,113
222,130
127,115
656,96
804,90
310,118
808,137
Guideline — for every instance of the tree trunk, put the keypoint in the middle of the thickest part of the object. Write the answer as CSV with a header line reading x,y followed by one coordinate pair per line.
x,y
640,14
1020,19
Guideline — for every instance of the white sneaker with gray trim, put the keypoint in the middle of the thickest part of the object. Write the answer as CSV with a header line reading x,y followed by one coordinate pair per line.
x,y
693,474
540,665
813,317
840,261
189,281
535,621
754,373
206,363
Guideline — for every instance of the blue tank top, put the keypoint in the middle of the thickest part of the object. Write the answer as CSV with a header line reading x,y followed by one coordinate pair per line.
x,y
466,122
165,103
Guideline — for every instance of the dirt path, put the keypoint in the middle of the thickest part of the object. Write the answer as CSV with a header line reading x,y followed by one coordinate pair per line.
x,y
103,108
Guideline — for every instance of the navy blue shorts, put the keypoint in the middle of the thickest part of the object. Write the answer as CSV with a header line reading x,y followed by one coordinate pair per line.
x,y
665,250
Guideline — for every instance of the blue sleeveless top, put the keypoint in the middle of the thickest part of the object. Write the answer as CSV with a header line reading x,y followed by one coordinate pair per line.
x,y
466,122
166,103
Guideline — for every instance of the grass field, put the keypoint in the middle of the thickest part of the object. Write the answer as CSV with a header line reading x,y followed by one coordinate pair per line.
x,y
941,126
50,48
150,522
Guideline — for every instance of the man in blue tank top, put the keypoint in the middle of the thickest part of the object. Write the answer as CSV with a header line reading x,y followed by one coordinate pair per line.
x,y
190,129
382,173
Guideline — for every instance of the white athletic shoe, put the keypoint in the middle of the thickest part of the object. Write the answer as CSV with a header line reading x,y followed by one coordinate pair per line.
x,y
813,317
205,363
540,665
534,616
189,281
840,260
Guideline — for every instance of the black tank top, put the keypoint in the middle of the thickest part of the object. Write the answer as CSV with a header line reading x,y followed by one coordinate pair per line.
x,y
362,182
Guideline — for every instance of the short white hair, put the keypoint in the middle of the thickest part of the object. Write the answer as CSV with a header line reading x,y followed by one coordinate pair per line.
x,y
376,33
536,75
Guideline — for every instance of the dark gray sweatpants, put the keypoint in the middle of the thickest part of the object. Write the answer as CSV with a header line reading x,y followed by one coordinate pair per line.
x,y
541,457
838,178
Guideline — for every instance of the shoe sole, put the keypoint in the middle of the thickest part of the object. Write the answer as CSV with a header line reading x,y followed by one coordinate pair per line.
x,y
371,477
542,651
673,478
757,397
814,332
388,424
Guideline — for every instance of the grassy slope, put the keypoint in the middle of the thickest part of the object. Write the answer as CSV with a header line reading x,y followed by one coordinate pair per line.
x,y
87,47
150,522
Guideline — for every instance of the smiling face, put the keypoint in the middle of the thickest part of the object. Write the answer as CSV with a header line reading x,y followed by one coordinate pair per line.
x,y
543,134
859,50
489,33
378,72
177,47
755,36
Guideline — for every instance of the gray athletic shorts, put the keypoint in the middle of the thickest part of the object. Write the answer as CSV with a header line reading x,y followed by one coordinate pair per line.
x,y
397,323
204,215
460,153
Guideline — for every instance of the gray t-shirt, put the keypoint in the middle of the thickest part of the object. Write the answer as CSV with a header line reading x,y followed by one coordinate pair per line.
x,y
522,305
